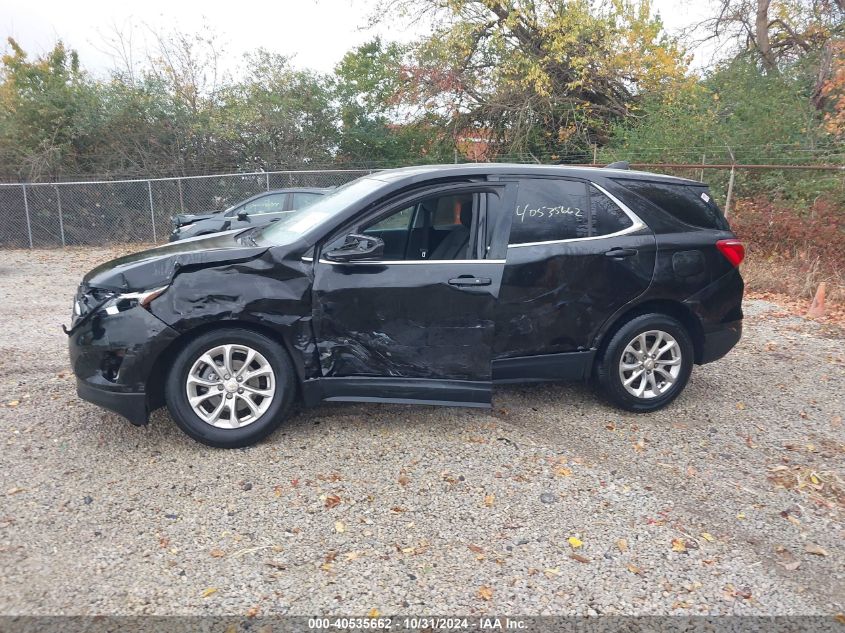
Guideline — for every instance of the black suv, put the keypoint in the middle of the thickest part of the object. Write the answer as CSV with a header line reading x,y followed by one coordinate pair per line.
x,y
259,210
419,285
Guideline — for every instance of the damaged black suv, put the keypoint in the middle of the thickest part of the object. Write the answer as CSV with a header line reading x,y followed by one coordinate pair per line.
x,y
419,285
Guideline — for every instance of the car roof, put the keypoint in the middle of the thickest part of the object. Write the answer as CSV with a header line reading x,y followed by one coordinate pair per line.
x,y
424,172
298,190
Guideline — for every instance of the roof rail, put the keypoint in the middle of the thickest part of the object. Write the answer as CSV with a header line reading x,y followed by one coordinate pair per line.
x,y
619,164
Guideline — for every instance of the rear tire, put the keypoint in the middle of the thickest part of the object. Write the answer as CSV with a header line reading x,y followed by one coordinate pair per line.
x,y
230,387
646,364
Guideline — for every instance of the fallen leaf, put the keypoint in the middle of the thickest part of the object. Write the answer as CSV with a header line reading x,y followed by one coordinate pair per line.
x,y
485,593
813,548
563,471
475,548
622,544
209,591
332,501
740,406
217,553
678,545
707,537
579,558
575,542
373,613
791,565
840,617
489,500
404,480
610,426
339,527
352,555
253,611
640,445
331,557
741,516
634,569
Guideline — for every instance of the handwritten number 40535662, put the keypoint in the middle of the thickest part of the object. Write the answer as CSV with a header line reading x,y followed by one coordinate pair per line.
x,y
524,212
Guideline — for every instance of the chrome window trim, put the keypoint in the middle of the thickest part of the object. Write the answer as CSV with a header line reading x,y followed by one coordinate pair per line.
x,y
637,225
414,261
256,215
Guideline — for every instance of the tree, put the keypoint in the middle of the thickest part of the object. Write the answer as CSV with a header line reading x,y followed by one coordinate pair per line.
x,y
378,126
542,77
45,111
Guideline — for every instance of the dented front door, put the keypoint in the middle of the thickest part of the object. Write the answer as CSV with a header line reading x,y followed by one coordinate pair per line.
x,y
426,325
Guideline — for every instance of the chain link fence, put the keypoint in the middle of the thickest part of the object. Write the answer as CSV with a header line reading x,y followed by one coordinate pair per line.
x,y
43,215
99,213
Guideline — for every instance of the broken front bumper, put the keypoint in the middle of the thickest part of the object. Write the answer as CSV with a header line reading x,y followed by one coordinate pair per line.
x,y
114,357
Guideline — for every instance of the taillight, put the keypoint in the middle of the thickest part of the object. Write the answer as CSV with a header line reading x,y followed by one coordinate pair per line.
x,y
733,250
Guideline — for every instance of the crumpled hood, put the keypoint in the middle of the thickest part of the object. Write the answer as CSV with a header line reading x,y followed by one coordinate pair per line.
x,y
157,266
183,219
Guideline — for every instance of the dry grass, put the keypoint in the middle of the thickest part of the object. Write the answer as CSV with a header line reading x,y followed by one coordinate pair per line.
x,y
794,277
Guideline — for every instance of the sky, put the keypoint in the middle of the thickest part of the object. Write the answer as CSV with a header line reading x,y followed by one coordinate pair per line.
x,y
315,32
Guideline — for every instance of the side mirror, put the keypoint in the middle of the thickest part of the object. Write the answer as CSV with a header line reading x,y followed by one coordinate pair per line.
x,y
242,215
357,247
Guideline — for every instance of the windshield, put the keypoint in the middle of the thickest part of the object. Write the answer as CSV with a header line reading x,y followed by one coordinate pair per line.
x,y
298,222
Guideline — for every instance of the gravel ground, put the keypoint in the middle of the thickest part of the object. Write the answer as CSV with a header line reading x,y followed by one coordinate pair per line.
x,y
728,502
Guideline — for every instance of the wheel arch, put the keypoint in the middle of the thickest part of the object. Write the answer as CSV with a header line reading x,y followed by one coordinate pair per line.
x,y
157,377
669,307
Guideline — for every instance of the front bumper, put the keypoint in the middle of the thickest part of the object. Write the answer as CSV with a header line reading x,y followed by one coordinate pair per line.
x,y
132,406
114,360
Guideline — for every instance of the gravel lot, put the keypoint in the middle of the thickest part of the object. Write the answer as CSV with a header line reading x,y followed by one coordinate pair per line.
x,y
728,502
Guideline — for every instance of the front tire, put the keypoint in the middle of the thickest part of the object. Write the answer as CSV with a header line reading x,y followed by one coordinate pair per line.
x,y
230,387
646,364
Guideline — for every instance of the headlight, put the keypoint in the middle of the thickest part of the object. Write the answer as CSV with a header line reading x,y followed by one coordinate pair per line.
x,y
132,299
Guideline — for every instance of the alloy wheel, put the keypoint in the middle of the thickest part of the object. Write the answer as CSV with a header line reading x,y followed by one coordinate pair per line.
x,y
230,386
650,364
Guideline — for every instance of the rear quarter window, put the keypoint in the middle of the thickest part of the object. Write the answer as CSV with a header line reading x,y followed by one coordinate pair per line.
x,y
690,204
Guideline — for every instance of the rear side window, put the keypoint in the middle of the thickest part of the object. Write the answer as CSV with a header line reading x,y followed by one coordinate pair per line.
x,y
605,216
550,209
688,203
302,199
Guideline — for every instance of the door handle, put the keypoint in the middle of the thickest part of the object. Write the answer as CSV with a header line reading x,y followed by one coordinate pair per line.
x,y
620,253
470,281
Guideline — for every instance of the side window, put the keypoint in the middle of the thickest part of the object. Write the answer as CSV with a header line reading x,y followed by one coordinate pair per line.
x,y
549,209
435,228
399,221
605,216
444,212
688,203
266,204
302,199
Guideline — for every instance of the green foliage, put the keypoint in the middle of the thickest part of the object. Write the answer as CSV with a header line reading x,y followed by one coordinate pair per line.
x,y
278,116
47,108
376,125
737,113
545,78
